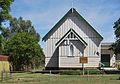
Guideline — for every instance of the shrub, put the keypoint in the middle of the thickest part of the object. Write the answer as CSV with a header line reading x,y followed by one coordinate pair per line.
x,y
80,72
70,72
94,71
118,65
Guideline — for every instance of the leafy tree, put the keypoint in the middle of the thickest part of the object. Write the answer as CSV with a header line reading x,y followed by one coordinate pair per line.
x,y
22,45
4,10
116,45
2,43
20,40
24,51
19,25
4,15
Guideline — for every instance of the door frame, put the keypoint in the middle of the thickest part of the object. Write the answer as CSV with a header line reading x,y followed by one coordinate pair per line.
x,y
106,61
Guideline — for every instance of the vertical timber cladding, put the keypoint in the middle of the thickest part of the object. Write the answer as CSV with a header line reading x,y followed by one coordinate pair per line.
x,y
4,64
59,57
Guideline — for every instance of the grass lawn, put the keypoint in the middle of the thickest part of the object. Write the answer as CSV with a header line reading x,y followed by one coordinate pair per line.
x,y
37,78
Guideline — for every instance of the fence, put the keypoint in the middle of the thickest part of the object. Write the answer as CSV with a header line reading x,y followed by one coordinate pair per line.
x,y
6,75
51,77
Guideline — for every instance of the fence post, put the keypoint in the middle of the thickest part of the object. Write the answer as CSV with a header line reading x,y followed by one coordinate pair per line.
x,y
88,74
1,75
10,75
50,76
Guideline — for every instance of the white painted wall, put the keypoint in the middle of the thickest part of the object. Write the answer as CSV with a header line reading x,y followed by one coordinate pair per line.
x,y
87,34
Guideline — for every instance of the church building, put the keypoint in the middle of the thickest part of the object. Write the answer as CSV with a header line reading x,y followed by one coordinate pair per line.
x,y
73,38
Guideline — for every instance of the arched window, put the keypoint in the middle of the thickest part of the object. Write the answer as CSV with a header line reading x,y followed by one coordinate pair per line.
x,y
71,50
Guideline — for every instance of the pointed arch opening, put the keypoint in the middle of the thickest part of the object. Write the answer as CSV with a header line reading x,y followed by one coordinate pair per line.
x,y
71,50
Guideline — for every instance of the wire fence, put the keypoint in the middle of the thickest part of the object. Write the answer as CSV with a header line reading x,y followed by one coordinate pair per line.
x,y
52,76
21,74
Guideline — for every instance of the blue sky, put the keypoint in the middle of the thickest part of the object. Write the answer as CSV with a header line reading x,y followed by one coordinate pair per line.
x,y
44,14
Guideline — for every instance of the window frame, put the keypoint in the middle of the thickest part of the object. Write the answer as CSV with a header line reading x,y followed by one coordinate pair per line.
x,y
71,50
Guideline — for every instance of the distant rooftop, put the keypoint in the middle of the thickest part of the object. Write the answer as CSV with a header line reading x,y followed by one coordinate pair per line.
x,y
107,43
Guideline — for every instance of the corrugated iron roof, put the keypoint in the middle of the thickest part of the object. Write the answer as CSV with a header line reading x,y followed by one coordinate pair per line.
x,y
4,58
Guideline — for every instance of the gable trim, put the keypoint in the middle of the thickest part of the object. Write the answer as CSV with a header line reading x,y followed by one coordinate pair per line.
x,y
71,30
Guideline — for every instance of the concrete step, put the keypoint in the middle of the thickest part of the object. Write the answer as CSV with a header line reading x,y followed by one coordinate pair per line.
x,y
108,68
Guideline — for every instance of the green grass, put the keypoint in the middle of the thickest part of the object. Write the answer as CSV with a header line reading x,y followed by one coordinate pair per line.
x,y
37,78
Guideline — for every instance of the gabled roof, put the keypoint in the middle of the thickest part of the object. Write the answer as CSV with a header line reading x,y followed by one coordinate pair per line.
x,y
78,37
73,12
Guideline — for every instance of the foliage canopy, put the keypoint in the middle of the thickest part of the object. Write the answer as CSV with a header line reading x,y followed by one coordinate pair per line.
x,y
20,40
24,51
116,45
4,15
4,10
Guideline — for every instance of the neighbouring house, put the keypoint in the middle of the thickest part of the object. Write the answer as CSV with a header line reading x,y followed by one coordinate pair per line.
x,y
4,64
71,38
107,56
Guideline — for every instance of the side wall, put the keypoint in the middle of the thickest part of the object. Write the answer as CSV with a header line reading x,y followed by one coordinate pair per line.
x,y
4,66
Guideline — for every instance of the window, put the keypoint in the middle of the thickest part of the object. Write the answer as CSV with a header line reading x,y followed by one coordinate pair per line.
x,y
71,50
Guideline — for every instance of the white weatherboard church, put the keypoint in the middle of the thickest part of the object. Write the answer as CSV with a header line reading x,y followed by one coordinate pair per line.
x,y
71,38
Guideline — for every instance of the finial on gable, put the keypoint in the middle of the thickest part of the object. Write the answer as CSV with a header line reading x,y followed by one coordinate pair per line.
x,y
72,10
73,4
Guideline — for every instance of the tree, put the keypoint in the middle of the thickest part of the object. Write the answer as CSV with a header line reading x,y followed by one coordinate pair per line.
x,y
2,43
22,44
4,15
19,25
116,45
24,51
4,10
19,40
